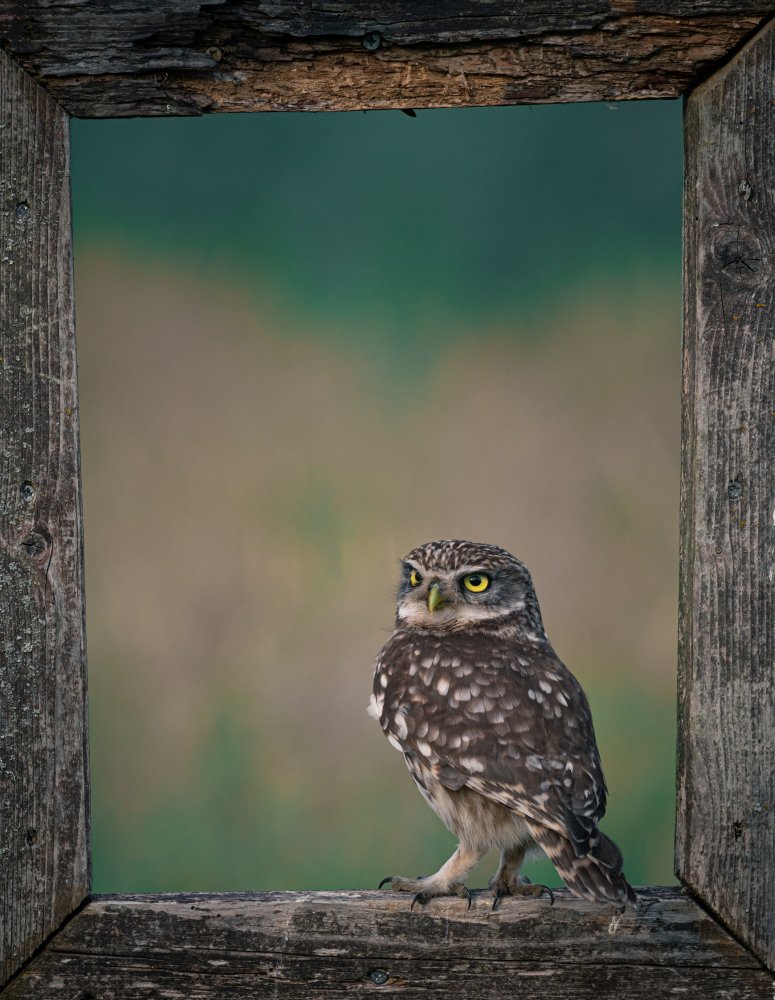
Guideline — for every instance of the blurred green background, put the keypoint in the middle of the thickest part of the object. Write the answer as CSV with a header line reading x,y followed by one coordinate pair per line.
x,y
308,343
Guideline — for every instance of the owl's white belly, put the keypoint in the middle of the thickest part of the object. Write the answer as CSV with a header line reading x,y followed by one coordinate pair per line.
x,y
478,822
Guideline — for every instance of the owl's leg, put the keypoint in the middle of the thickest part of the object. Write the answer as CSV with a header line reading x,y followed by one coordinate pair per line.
x,y
508,882
448,880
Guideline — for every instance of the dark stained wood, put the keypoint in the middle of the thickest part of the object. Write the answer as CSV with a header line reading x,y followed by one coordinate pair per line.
x,y
44,839
189,57
346,943
725,847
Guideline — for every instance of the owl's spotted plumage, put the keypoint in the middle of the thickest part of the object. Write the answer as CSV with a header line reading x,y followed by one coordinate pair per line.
x,y
495,730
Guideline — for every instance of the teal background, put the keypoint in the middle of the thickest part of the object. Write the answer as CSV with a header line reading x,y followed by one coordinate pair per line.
x,y
307,343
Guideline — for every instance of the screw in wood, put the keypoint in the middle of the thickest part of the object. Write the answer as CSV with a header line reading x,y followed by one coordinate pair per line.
x,y
379,977
372,41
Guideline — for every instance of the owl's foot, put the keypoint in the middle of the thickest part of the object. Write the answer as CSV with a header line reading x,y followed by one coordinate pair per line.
x,y
426,889
521,887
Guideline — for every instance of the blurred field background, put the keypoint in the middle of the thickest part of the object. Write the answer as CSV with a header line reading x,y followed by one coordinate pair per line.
x,y
308,343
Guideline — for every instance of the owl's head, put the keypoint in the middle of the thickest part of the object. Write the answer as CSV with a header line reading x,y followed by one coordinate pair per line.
x,y
455,585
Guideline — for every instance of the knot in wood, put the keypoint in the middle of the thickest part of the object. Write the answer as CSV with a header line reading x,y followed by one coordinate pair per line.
x,y
36,545
738,255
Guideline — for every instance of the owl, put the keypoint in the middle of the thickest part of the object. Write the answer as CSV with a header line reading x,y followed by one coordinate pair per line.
x,y
495,730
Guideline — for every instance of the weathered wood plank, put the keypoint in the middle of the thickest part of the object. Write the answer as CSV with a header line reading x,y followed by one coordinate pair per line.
x,y
192,57
725,848
347,943
43,785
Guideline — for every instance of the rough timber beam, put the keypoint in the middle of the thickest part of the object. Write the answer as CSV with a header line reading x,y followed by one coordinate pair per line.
x,y
44,820
353,944
725,846
183,57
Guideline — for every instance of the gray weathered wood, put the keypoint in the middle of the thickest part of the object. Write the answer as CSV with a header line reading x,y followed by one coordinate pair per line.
x,y
725,848
239,945
44,849
190,57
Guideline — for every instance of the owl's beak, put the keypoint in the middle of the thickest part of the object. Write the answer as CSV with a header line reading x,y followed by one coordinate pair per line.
x,y
435,597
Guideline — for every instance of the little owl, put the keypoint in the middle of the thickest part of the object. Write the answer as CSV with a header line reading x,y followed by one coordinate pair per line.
x,y
496,732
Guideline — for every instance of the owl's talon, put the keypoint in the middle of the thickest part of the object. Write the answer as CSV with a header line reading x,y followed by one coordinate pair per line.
x,y
465,893
384,880
537,890
422,898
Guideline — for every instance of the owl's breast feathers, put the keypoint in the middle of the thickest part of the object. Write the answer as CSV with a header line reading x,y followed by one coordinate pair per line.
x,y
502,717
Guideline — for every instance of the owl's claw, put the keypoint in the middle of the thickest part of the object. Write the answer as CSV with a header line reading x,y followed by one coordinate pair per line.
x,y
424,889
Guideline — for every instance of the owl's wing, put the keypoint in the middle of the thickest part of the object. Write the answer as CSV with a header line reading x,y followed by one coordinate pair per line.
x,y
508,721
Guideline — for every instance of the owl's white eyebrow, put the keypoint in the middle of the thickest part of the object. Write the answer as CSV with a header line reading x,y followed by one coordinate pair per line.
x,y
460,571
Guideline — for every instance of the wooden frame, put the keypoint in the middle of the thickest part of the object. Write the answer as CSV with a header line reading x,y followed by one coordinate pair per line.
x,y
716,936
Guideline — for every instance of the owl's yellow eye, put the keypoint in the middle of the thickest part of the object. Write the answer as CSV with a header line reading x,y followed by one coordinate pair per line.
x,y
414,578
476,582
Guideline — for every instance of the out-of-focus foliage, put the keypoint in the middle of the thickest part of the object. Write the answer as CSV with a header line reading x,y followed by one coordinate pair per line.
x,y
308,343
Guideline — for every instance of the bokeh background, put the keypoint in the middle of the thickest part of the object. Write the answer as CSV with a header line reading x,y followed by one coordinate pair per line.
x,y
308,343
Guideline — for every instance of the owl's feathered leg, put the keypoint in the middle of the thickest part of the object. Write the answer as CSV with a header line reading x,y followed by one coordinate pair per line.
x,y
508,882
448,880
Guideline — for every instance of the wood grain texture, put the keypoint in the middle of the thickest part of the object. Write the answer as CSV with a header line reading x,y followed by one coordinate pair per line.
x,y
189,57
725,847
43,783
343,944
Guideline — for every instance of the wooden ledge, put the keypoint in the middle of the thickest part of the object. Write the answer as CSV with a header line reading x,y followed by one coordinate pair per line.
x,y
294,944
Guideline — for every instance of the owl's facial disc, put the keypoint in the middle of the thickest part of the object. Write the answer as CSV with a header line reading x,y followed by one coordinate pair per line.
x,y
453,585
435,597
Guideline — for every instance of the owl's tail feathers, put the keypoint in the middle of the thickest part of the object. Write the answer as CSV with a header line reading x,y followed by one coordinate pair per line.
x,y
596,876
